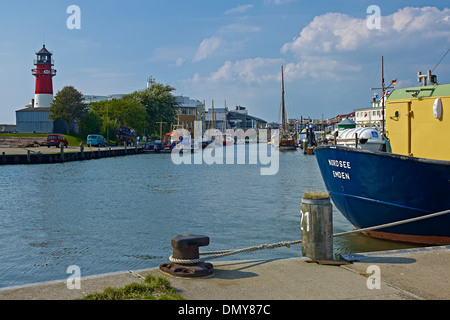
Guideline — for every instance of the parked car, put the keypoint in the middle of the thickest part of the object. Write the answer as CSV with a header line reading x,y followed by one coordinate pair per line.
x,y
96,140
55,139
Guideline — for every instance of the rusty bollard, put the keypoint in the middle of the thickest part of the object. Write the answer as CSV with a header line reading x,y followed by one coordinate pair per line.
x,y
185,247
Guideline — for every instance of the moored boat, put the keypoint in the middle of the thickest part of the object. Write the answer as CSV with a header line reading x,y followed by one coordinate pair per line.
x,y
364,138
286,140
409,180
126,134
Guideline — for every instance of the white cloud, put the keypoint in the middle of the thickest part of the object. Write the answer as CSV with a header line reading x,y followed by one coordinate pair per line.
x,y
238,28
207,47
224,40
239,9
340,32
179,62
318,68
248,82
326,48
239,81
329,32
334,53
277,2
249,71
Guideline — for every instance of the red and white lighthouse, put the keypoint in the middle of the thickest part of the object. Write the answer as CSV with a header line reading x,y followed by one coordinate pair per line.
x,y
44,72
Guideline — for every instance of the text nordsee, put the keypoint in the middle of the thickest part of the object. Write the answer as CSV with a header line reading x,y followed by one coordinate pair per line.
x,y
340,164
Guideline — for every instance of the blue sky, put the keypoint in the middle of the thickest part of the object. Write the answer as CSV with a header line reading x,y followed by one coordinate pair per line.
x,y
226,51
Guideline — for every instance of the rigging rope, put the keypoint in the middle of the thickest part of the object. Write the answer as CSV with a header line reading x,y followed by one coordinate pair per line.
x,y
224,253
440,60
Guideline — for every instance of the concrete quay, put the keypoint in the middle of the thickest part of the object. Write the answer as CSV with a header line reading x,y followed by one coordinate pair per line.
x,y
412,274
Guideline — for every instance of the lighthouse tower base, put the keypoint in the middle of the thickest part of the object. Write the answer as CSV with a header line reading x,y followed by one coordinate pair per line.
x,y
43,100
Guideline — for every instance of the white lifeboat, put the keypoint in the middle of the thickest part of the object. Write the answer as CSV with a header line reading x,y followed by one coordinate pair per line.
x,y
362,138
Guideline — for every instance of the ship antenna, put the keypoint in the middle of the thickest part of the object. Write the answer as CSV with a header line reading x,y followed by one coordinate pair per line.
x,y
440,60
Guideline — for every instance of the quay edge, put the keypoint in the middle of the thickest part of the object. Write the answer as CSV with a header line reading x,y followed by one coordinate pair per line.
x,y
57,157
410,274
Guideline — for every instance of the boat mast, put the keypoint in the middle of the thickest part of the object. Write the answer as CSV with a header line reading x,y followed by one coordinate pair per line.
x,y
283,113
383,96
213,120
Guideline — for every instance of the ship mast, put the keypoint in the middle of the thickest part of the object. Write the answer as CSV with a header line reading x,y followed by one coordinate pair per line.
x,y
283,112
383,96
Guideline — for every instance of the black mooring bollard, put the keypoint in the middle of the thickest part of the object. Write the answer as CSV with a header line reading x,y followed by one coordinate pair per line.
x,y
317,227
186,247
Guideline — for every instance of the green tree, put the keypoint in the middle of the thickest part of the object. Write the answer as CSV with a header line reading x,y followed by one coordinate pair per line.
x,y
110,130
91,123
128,113
159,103
68,106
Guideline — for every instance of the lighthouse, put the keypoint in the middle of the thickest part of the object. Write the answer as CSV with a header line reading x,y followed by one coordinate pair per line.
x,y
44,72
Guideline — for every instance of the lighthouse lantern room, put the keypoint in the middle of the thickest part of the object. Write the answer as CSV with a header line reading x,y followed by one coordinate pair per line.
x,y
44,73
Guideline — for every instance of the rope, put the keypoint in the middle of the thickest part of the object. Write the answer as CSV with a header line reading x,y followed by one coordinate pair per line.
x,y
440,60
137,275
220,254
392,224
224,253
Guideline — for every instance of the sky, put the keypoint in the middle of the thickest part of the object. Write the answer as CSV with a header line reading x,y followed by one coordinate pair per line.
x,y
230,52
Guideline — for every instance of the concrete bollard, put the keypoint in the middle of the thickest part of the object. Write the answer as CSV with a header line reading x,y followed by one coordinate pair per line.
x,y
317,227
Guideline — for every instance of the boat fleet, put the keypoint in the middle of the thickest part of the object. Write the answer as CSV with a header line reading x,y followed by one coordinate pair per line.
x,y
381,177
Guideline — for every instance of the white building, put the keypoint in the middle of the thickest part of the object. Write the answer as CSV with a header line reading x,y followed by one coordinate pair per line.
x,y
371,116
188,106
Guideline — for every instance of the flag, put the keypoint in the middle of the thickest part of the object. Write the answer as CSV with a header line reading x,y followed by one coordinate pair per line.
x,y
394,81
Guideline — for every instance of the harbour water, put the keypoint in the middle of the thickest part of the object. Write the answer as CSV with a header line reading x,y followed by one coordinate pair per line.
x,y
118,214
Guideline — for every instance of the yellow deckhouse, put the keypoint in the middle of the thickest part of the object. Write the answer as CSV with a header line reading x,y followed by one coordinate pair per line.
x,y
418,120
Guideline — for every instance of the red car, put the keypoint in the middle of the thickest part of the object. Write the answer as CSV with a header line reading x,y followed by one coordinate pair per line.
x,y
56,139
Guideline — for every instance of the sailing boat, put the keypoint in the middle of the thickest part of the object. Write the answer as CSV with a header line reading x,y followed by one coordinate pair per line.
x,y
286,141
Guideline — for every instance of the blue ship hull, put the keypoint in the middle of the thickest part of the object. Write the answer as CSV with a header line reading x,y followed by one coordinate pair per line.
x,y
374,188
